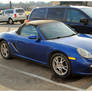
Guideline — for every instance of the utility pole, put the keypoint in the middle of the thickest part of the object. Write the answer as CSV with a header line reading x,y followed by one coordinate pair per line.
x,y
10,4
86,3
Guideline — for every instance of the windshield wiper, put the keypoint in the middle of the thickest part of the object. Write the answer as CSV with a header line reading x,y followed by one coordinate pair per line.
x,y
63,36
56,37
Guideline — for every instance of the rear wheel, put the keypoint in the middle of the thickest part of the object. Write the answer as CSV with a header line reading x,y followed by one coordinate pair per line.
x,y
22,21
10,21
60,65
5,50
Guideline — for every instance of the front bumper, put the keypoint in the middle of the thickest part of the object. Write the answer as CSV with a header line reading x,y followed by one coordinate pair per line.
x,y
81,66
19,19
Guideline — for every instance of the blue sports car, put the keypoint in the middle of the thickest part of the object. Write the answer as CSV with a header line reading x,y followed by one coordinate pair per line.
x,y
51,43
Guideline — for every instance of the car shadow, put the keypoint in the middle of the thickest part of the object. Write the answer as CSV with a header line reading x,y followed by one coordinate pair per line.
x,y
74,80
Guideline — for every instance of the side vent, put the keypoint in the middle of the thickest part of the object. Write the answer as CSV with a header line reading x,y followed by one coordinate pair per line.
x,y
14,46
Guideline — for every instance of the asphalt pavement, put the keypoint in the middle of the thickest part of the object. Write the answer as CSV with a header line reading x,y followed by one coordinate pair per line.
x,y
21,74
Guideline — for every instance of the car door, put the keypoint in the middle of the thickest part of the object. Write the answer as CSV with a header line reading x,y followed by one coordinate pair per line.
x,y
2,16
30,48
8,14
73,18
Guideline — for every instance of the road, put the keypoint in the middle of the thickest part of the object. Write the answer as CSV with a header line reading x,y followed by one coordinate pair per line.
x,y
21,74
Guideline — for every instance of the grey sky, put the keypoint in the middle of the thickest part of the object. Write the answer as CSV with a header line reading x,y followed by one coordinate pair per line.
x,y
17,1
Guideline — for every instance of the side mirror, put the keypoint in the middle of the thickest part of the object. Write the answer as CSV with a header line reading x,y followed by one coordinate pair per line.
x,y
84,21
35,37
32,37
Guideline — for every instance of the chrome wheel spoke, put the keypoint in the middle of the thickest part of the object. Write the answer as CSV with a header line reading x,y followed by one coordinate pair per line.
x,y
64,68
56,60
62,60
60,65
60,70
4,50
4,46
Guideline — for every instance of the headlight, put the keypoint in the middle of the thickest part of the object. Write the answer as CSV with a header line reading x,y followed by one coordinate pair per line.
x,y
84,53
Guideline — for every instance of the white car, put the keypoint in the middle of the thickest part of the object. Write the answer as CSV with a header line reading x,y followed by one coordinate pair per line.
x,y
13,15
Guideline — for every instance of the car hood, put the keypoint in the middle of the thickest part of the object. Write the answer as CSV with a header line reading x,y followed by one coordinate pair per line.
x,y
76,41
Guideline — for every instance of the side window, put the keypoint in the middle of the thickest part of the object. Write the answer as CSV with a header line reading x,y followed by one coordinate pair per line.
x,y
56,13
74,16
9,12
6,12
28,30
19,11
38,14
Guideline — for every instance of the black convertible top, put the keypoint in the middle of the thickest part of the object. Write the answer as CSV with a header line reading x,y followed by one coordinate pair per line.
x,y
39,22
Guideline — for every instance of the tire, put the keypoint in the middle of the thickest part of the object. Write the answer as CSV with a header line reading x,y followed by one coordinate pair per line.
x,y
60,65
10,21
7,22
5,50
22,21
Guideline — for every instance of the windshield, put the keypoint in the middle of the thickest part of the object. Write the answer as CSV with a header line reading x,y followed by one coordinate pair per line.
x,y
20,11
88,11
55,30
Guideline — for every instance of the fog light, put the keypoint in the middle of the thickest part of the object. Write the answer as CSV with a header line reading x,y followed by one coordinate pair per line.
x,y
91,66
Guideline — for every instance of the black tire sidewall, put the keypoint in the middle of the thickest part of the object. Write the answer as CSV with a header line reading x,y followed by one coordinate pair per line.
x,y
68,74
22,21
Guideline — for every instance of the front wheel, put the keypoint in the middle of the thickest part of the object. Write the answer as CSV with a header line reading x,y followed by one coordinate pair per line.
x,y
60,65
5,50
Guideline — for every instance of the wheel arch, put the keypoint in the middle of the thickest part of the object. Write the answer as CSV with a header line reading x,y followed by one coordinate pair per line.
x,y
53,52
10,18
2,40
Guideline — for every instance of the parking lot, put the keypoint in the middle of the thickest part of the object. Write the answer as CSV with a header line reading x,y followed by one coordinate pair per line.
x,y
20,74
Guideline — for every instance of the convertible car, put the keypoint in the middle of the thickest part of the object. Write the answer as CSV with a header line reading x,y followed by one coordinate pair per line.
x,y
51,43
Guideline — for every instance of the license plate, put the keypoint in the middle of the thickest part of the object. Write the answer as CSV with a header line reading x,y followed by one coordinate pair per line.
x,y
20,14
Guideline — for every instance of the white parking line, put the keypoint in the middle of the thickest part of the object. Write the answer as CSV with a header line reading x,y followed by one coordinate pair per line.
x,y
3,88
40,77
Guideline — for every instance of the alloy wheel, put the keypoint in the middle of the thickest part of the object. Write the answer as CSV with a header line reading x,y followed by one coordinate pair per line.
x,y
4,50
60,65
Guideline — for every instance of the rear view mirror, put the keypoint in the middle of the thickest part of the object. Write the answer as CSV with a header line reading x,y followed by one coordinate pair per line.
x,y
84,21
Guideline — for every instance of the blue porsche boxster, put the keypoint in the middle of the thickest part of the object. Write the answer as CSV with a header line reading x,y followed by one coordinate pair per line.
x,y
51,43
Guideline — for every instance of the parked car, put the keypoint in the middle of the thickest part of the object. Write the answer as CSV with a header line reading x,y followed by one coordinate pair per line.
x,y
51,43
13,15
77,17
